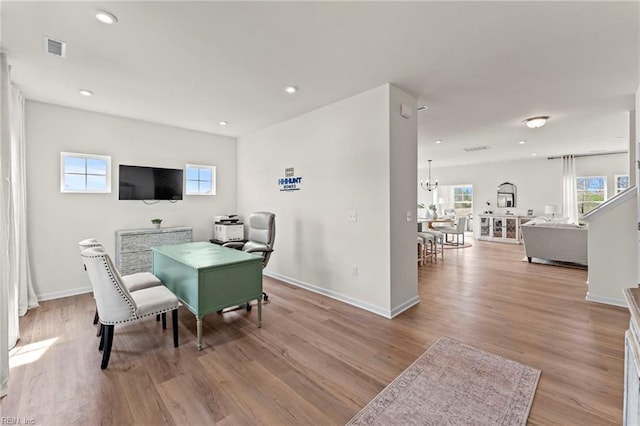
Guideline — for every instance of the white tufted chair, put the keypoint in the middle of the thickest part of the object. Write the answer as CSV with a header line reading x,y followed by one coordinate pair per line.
x,y
132,282
262,234
118,305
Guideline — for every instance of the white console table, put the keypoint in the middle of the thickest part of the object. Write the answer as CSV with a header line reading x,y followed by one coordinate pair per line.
x,y
133,246
502,228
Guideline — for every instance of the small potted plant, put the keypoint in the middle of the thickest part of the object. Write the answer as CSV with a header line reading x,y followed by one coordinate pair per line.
x,y
156,222
434,211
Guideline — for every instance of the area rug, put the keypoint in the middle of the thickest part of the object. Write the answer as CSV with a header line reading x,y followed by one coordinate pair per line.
x,y
455,384
454,246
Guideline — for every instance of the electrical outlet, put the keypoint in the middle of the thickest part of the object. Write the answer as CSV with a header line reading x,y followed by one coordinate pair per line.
x,y
352,216
354,270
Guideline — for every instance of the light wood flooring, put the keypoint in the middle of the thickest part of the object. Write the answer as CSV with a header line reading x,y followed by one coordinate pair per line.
x,y
317,361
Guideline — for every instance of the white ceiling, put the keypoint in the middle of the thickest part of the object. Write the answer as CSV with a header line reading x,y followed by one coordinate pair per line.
x,y
481,67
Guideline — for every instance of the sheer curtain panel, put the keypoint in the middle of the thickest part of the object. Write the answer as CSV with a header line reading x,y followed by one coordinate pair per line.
x,y
5,161
569,189
16,289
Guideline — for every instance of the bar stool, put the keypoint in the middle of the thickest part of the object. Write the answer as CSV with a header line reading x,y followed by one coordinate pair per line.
x,y
438,238
429,245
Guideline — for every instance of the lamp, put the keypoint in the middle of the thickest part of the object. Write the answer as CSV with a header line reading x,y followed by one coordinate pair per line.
x,y
551,209
535,122
429,186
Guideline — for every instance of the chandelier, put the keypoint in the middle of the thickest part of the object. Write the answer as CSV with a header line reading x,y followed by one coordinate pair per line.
x,y
428,186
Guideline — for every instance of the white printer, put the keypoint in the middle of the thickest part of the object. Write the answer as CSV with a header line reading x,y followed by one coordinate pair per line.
x,y
228,228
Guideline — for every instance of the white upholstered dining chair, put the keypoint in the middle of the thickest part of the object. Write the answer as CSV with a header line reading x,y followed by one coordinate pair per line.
x,y
132,282
117,305
457,230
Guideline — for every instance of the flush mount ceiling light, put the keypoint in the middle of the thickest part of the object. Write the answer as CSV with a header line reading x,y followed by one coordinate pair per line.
x,y
222,123
105,17
535,122
85,92
291,89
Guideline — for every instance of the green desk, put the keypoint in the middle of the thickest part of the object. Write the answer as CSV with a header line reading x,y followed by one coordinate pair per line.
x,y
208,278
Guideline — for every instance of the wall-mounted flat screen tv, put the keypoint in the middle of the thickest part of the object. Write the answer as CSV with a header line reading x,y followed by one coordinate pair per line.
x,y
150,183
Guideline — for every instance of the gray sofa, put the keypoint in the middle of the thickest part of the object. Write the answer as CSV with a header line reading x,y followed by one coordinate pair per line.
x,y
562,242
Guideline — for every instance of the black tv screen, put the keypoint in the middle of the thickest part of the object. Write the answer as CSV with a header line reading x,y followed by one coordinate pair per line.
x,y
150,183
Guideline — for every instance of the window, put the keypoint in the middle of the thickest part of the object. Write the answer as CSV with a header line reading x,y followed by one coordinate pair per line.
x,y
592,191
463,199
85,173
201,180
622,182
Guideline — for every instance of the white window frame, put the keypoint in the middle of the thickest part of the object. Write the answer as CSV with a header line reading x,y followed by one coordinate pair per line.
x,y
453,195
106,158
604,178
214,180
615,180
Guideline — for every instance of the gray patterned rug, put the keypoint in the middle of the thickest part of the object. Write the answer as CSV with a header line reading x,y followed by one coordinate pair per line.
x,y
455,384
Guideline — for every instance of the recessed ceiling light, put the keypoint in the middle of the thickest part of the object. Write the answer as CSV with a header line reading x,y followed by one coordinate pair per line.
x,y
85,92
291,89
105,17
222,123
522,142
534,154
439,141
535,122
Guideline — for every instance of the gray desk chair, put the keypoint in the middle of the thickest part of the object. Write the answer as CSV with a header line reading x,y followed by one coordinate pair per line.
x,y
457,230
118,305
262,234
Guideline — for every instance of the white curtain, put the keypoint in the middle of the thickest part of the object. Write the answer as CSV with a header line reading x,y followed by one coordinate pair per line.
x,y
16,289
5,208
569,189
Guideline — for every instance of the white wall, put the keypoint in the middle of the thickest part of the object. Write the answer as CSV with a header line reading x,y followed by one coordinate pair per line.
x,y
538,181
613,252
58,221
342,153
403,152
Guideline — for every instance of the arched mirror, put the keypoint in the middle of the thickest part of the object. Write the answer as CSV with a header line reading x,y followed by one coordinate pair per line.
x,y
506,195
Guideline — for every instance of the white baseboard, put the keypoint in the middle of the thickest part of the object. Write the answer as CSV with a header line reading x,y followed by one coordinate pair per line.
x,y
346,299
606,300
406,305
66,293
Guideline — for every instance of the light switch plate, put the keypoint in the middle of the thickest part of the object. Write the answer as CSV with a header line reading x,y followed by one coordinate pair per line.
x,y
409,216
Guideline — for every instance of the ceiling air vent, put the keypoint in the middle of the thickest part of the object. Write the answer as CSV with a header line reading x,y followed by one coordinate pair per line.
x,y
476,148
55,47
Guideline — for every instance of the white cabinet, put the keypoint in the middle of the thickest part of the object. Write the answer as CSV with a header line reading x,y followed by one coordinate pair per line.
x,y
631,411
503,229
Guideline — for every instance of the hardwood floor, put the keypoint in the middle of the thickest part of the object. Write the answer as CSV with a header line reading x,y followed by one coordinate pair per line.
x,y
317,361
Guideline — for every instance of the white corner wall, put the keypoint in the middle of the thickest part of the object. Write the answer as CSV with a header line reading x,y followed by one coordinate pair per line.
x,y
403,152
342,153
57,221
613,253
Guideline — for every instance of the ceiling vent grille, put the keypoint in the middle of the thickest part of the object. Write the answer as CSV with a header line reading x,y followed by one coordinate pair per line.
x,y
476,148
55,47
